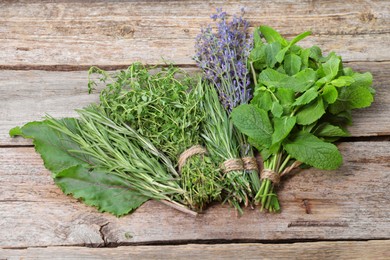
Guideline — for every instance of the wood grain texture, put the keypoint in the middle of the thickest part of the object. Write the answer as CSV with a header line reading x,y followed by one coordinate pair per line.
x,y
350,203
375,249
30,95
110,33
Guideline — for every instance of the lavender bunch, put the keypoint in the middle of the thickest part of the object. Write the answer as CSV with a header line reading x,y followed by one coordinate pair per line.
x,y
223,57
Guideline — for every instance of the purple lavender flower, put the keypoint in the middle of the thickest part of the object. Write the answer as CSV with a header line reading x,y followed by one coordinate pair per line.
x,y
223,55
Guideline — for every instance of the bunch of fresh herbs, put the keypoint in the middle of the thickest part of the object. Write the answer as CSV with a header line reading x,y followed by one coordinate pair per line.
x,y
222,55
301,104
164,107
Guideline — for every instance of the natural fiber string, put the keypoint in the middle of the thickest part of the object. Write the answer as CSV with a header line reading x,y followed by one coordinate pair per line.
x,y
250,164
193,150
271,175
232,165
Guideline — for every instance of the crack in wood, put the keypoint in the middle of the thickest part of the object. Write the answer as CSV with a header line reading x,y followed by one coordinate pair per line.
x,y
307,206
309,223
102,235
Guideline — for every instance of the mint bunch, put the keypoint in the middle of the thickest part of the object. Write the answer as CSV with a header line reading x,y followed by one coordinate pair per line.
x,y
301,104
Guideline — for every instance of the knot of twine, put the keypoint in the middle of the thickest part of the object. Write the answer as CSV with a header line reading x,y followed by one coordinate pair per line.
x,y
240,164
275,177
232,165
270,175
193,150
250,163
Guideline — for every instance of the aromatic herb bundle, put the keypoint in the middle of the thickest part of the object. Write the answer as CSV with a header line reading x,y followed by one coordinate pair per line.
x,y
223,56
164,107
301,105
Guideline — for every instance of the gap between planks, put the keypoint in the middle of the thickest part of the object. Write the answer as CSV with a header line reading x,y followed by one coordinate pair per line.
x,y
373,249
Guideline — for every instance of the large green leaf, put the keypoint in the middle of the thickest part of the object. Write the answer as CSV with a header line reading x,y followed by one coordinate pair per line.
x,y
106,191
70,170
52,145
253,122
311,150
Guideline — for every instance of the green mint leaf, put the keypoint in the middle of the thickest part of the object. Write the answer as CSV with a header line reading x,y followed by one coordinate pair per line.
x,y
299,82
282,127
280,56
262,99
257,38
292,64
286,98
315,53
342,81
304,79
352,97
362,79
272,36
253,122
331,67
107,192
258,57
299,37
277,109
311,112
306,97
272,78
271,50
311,150
329,93
305,53
328,130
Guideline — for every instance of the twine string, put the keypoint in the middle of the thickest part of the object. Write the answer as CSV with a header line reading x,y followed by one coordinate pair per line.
x,y
270,175
250,164
193,150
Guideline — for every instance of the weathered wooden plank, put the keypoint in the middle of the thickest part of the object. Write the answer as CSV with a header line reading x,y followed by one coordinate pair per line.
x,y
375,249
28,95
350,203
76,33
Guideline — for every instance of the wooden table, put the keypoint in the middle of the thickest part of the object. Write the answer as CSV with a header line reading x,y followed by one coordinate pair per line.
x,y
45,51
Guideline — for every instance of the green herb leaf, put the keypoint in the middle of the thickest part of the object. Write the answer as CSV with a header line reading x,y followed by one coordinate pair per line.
x,y
262,99
52,145
292,64
330,69
342,81
352,97
328,130
277,109
311,112
299,37
311,150
272,36
282,127
329,93
306,97
253,122
107,192
304,79
257,38
315,53
271,51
